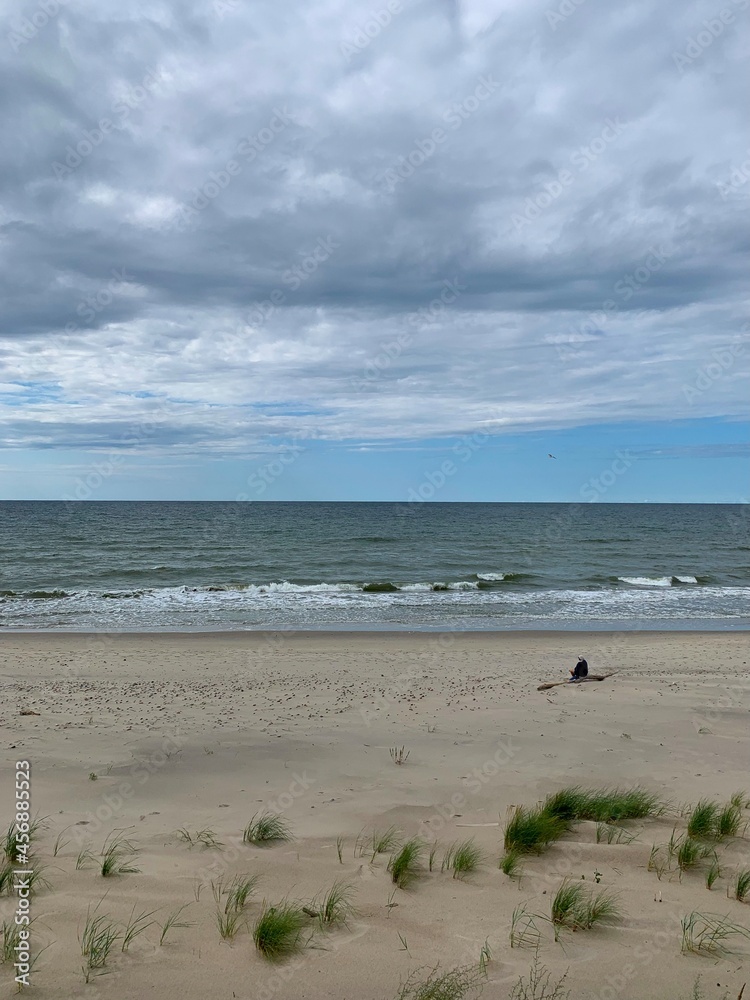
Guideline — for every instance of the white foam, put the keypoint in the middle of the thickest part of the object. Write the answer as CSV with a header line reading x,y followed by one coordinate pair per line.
x,y
490,576
686,579
647,581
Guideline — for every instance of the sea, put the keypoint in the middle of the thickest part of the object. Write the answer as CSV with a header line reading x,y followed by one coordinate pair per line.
x,y
183,566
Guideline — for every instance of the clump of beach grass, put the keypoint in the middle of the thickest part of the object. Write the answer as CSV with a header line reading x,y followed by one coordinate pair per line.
x,y
206,838
613,834
60,843
742,885
385,841
485,956
575,905
566,905
729,821
659,860
568,804
100,935
511,863
334,906
462,859
433,852
229,923
461,983
173,922
136,926
11,939
37,877
15,847
266,828
239,891
524,932
709,933
85,856
278,929
6,877
117,854
702,820
405,866
531,831
538,985
713,873
610,805
691,853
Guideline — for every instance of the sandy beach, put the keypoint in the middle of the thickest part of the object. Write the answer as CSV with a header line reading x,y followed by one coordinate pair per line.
x,y
151,734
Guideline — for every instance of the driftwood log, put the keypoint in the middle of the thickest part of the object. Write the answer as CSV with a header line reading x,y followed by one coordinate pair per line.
x,y
590,677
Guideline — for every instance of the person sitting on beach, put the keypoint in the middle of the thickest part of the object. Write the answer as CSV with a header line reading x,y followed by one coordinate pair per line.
x,y
581,669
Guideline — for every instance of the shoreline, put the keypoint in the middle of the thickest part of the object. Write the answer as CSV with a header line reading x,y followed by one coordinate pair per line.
x,y
386,631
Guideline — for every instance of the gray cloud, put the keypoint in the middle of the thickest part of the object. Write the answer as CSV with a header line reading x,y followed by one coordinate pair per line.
x,y
220,222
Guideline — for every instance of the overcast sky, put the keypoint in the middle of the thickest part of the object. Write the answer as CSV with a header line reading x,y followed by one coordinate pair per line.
x,y
300,251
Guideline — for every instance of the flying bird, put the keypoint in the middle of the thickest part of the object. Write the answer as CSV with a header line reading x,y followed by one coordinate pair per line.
x,y
551,456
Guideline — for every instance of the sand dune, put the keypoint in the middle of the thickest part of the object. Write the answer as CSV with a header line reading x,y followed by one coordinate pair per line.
x,y
203,731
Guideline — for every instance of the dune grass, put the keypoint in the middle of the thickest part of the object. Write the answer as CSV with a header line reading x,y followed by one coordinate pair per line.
x,y
462,859
334,907
610,805
729,821
206,838
136,926
485,956
385,841
740,800
524,932
742,885
600,906
229,923
117,856
433,852
266,828
690,853
566,905
85,856
611,834
11,938
531,831
511,863
461,983
13,848
709,933
60,843
568,804
173,922
278,930
702,820
6,877
713,873
100,935
575,906
240,889
405,865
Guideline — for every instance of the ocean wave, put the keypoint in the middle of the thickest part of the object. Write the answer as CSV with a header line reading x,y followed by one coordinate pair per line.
x,y
485,582
44,595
